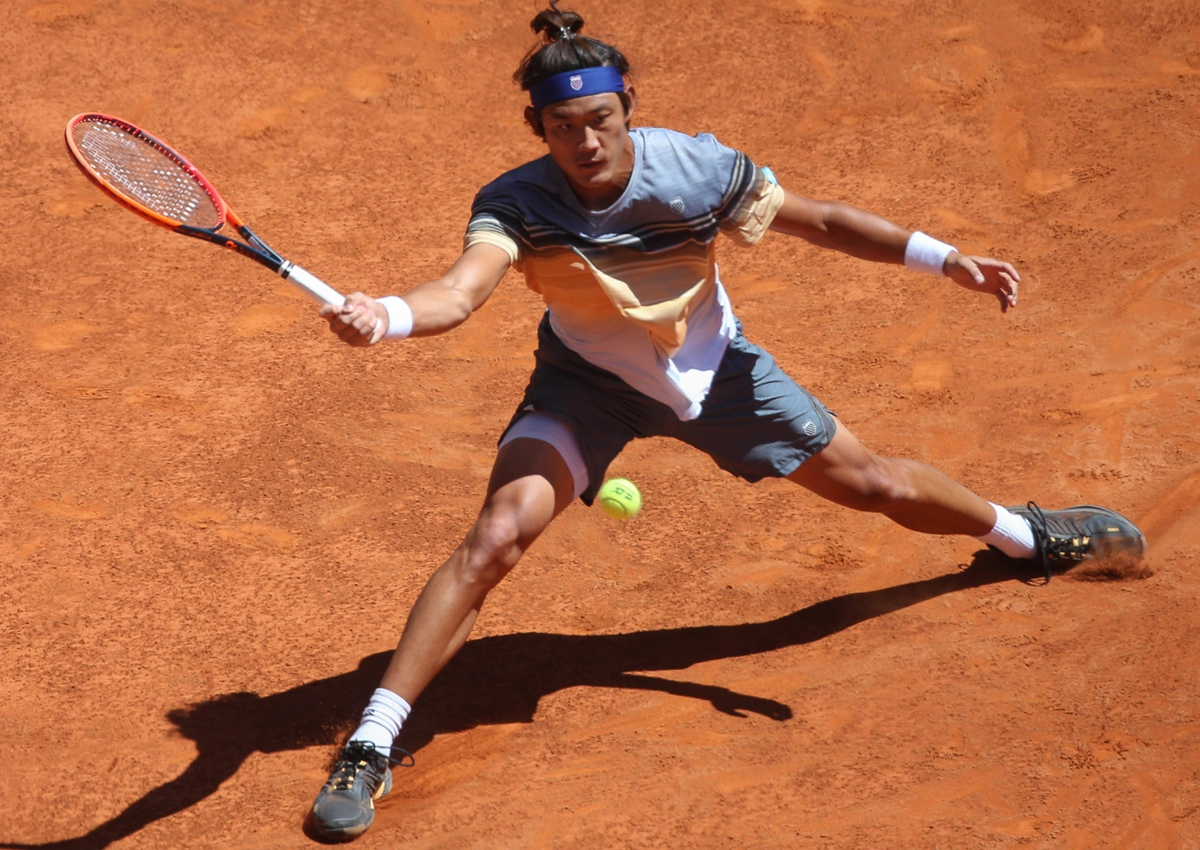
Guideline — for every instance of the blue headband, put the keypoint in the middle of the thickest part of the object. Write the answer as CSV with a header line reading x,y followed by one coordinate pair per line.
x,y
579,83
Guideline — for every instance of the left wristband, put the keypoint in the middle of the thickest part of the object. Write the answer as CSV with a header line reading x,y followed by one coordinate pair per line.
x,y
925,254
400,317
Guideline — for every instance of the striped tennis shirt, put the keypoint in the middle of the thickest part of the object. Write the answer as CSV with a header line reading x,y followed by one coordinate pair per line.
x,y
634,288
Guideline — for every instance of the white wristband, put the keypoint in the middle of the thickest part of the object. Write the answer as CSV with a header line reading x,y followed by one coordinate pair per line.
x,y
400,317
925,254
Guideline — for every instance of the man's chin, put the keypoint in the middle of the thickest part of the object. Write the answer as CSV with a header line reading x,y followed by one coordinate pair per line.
x,y
592,177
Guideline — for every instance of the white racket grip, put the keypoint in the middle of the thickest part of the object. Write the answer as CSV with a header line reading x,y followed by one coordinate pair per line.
x,y
310,284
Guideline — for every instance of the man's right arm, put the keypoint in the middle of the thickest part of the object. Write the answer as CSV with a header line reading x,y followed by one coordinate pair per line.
x,y
435,307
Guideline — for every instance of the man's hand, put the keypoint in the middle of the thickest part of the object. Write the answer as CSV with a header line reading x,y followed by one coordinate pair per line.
x,y
983,274
359,322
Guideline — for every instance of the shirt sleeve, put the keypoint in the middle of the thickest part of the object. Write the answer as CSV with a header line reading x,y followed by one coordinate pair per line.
x,y
752,217
481,235
495,221
751,202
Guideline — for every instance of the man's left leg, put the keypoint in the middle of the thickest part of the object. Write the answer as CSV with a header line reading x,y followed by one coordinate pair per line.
x,y
919,497
911,493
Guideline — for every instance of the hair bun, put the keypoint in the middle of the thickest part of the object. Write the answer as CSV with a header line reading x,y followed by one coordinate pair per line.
x,y
555,24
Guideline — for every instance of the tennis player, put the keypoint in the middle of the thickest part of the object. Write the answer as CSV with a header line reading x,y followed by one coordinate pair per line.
x,y
616,229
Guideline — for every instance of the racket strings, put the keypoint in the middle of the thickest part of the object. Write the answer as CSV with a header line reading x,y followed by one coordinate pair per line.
x,y
145,174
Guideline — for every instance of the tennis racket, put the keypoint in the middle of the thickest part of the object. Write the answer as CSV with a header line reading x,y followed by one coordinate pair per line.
x,y
149,178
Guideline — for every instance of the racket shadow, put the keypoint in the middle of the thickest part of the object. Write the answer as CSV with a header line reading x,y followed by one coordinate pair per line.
x,y
500,680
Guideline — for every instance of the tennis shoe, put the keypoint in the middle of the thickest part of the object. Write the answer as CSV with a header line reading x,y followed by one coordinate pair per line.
x,y
345,808
1082,533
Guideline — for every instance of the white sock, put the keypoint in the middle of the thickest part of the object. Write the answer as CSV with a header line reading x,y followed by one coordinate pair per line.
x,y
382,719
1012,535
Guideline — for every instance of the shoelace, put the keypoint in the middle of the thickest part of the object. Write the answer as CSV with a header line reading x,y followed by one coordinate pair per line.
x,y
357,756
1050,545
1041,538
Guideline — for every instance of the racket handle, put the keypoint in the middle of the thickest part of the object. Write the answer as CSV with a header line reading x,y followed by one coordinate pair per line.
x,y
310,284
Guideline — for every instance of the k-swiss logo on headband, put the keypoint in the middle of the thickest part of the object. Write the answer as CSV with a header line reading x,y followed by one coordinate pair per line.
x,y
576,82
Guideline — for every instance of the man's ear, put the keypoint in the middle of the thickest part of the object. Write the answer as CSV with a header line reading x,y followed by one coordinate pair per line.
x,y
533,118
629,103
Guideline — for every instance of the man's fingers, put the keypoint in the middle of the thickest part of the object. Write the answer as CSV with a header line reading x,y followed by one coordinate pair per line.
x,y
340,313
366,321
354,322
1013,286
368,328
1000,266
376,332
357,329
973,269
984,274
359,316
1007,292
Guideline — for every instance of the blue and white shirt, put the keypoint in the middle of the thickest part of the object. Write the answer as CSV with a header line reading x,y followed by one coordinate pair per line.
x,y
634,288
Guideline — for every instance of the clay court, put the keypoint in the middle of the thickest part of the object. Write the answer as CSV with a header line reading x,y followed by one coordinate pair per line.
x,y
215,516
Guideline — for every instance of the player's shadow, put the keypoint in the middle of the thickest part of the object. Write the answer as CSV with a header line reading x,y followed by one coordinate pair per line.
x,y
501,680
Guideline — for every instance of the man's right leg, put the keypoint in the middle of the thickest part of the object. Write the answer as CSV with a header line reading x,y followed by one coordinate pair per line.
x,y
531,484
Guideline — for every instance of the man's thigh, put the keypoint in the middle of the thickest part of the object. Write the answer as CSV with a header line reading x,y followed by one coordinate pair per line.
x,y
757,422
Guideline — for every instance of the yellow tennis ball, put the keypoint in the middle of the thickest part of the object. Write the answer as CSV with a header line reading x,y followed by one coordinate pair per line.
x,y
619,498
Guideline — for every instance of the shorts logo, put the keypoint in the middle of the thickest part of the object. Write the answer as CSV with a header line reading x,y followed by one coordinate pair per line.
x,y
809,427
576,82
676,204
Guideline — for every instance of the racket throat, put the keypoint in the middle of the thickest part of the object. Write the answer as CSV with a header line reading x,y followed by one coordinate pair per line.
x,y
251,237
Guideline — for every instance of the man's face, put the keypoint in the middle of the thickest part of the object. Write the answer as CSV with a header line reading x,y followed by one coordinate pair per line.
x,y
589,140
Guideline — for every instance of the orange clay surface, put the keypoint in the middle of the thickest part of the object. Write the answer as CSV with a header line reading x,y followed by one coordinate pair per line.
x,y
215,516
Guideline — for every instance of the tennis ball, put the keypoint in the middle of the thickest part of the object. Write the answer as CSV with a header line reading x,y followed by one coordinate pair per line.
x,y
619,498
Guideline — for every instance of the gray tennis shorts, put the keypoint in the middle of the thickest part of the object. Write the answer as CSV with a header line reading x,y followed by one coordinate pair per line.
x,y
756,423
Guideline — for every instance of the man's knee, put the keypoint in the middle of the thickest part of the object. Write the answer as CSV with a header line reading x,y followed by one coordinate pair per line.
x,y
491,549
882,485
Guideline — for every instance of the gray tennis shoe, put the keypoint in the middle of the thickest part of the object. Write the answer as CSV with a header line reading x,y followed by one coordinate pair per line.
x,y
1082,533
345,808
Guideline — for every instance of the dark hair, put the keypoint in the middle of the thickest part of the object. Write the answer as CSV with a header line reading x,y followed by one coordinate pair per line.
x,y
562,49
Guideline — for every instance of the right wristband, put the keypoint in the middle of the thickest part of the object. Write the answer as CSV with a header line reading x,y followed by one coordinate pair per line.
x,y
400,317
925,254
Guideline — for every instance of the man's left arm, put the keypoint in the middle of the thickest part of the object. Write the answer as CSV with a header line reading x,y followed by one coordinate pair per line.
x,y
846,228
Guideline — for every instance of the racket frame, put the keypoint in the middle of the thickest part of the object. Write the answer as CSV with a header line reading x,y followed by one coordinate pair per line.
x,y
254,247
